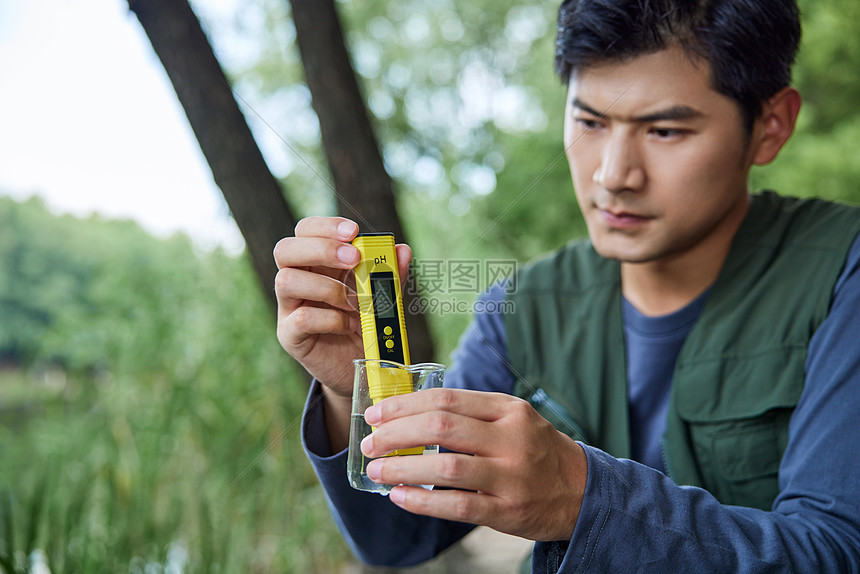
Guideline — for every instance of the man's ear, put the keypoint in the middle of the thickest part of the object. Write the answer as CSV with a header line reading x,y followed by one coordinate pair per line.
x,y
775,125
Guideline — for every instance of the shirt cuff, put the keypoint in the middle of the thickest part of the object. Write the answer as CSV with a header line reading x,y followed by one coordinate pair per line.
x,y
314,433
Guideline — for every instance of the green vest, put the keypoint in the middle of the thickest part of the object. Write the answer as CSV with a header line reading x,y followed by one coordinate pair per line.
x,y
740,371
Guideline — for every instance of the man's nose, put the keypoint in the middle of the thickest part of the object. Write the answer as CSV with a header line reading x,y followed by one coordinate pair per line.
x,y
620,166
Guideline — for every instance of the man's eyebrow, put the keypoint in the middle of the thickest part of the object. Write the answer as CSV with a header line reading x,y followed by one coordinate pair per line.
x,y
677,112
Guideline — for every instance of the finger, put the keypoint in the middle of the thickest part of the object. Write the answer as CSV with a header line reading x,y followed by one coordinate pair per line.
x,y
480,405
458,505
330,227
315,252
293,286
308,321
404,256
447,469
448,430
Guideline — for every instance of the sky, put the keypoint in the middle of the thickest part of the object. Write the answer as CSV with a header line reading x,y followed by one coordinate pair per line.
x,y
90,122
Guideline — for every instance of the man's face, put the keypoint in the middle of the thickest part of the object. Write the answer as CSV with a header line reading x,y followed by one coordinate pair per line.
x,y
659,159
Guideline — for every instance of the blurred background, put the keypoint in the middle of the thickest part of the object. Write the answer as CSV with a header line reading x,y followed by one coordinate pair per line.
x,y
149,420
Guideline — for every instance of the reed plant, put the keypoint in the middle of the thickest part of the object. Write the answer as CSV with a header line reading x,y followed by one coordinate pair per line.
x,y
153,424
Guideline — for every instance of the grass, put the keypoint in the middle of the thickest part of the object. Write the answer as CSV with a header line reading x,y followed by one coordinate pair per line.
x,y
159,476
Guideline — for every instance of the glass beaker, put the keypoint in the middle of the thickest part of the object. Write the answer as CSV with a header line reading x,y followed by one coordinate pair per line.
x,y
376,380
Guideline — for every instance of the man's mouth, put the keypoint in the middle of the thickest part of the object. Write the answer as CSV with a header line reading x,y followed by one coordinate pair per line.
x,y
622,219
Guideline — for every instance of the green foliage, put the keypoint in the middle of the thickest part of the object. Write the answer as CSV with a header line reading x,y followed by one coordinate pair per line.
x,y
154,419
827,63
819,160
26,295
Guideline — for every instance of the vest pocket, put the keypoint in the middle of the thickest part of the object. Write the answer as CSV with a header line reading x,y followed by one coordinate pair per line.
x,y
744,457
732,425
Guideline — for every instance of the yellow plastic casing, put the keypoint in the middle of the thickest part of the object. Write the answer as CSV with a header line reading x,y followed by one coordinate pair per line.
x,y
383,323
379,261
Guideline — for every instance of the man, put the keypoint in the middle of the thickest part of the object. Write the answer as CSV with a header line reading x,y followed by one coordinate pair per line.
x,y
701,346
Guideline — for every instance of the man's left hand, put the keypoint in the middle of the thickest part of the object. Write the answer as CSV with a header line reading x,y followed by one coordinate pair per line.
x,y
510,469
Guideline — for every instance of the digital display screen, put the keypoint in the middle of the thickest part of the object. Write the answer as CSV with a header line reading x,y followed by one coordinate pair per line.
x,y
384,297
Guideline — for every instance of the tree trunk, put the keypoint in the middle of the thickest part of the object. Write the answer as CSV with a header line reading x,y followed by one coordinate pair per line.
x,y
253,194
363,188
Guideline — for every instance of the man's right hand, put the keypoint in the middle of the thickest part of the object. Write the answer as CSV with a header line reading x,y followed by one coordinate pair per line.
x,y
318,321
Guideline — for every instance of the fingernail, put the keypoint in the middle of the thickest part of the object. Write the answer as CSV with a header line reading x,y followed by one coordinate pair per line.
x,y
367,445
374,470
347,229
397,495
372,416
347,253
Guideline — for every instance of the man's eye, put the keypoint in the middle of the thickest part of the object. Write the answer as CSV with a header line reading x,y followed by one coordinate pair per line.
x,y
588,124
665,133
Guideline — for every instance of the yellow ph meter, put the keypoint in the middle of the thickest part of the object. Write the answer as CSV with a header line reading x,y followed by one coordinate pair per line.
x,y
380,304
383,323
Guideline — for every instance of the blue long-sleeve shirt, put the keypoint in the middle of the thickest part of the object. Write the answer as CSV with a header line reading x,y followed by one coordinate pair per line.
x,y
634,518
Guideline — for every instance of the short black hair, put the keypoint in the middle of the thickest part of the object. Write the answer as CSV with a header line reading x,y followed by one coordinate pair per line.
x,y
750,45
